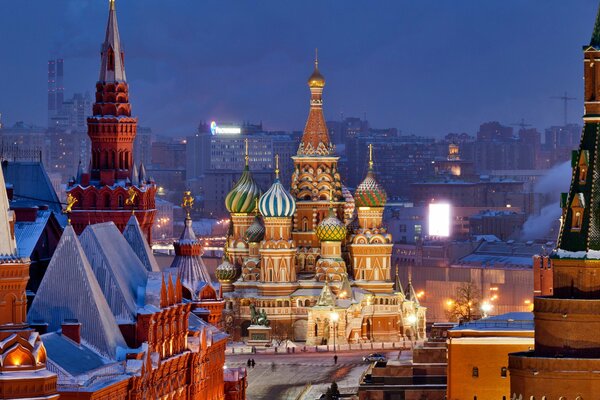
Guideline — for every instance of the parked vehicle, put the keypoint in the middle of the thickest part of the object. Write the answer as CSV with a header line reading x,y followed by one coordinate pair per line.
x,y
374,357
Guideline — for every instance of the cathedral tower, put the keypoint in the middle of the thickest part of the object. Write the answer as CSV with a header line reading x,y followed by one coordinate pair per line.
x,y
315,177
371,245
103,191
277,249
567,346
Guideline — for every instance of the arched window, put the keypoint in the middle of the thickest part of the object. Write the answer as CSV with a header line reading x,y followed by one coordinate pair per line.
x,y
111,60
120,201
475,372
503,372
304,224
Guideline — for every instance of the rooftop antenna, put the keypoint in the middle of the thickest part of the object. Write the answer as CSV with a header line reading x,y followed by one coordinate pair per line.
x,y
522,124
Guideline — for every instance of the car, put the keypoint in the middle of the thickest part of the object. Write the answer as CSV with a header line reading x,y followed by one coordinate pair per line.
x,y
374,357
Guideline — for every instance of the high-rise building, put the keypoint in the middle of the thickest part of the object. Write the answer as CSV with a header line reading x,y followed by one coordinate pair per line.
x,y
567,345
113,180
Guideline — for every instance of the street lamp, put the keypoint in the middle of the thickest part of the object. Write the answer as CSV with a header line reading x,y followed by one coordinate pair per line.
x,y
334,318
412,320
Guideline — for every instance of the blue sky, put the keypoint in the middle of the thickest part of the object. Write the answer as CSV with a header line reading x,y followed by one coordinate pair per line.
x,y
426,67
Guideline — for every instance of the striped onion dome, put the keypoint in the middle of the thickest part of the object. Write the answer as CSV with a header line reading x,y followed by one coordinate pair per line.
x,y
226,272
370,193
256,231
242,198
277,202
331,229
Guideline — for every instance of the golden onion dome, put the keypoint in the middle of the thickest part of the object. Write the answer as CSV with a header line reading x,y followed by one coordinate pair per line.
x,y
331,229
316,79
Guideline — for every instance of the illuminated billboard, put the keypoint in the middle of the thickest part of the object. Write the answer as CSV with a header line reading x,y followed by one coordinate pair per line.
x,y
224,130
439,219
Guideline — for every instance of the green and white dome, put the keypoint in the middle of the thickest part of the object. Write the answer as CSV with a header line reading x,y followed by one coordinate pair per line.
x,y
242,198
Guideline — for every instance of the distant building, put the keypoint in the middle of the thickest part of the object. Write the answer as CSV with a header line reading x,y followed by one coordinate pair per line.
x,y
56,88
503,224
496,147
478,355
142,146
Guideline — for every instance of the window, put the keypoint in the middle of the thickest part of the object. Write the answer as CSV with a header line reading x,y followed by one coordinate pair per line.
x,y
503,372
576,220
475,373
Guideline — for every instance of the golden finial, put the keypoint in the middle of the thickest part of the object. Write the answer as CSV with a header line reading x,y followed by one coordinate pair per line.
x,y
246,157
276,166
316,57
111,4
188,203
370,156
130,201
71,200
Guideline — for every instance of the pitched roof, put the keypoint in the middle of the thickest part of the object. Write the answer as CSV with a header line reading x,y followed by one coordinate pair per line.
x,y
70,290
31,182
112,70
27,233
121,274
326,298
135,237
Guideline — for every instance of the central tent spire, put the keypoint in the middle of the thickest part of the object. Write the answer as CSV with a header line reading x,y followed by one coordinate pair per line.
x,y
112,68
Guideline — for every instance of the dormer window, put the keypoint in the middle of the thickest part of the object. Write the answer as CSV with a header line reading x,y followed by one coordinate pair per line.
x,y
577,207
582,174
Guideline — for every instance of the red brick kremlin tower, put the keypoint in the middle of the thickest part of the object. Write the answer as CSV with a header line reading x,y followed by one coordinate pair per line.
x,y
566,359
113,178
315,178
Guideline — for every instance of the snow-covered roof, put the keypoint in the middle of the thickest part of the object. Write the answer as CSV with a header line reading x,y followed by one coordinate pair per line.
x,y
121,274
513,321
27,233
70,290
136,239
8,245
73,358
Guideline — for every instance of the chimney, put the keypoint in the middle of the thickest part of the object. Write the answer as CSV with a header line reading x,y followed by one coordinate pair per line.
x,y
71,328
40,327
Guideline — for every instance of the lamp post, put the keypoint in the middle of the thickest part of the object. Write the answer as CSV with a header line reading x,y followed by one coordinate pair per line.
x,y
412,320
334,318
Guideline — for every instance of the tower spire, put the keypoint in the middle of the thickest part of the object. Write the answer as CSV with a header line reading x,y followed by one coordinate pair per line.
x,y
595,40
112,68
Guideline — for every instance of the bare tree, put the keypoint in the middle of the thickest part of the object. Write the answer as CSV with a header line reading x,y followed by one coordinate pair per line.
x,y
465,305
280,332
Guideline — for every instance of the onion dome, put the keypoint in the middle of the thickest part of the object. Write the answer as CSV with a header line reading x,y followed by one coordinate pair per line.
x,y
331,229
316,79
370,193
226,272
277,202
242,197
256,231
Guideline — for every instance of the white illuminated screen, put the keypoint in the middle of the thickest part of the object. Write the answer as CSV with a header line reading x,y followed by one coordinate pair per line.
x,y
439,220
218,130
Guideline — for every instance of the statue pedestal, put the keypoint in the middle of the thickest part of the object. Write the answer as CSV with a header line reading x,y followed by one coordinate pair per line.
x,y
259,335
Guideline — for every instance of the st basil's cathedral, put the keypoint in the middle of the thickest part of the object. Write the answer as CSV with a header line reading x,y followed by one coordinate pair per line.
x,y
315,259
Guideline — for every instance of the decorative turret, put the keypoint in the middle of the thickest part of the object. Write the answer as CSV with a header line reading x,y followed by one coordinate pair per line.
x,y
331,229
331,232
256,231
370,198
277,250
227,273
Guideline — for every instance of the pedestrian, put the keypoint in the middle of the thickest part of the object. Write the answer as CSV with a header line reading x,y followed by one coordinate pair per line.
x,y
253,363
335,359
249,363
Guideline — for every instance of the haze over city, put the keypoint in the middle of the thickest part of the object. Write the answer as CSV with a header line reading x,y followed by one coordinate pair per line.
x,y
471,61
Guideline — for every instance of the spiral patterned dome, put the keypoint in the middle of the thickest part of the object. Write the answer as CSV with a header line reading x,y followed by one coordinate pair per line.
x,y
349,205
277,202
242,198
226,272
256,231
331,229
370,193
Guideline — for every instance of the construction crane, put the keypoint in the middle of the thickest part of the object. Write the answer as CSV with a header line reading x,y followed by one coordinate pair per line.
x,y
521,124
565,98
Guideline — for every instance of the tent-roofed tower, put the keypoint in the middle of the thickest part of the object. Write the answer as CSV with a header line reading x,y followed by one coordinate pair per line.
x,y
102,192
315,177
567,346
